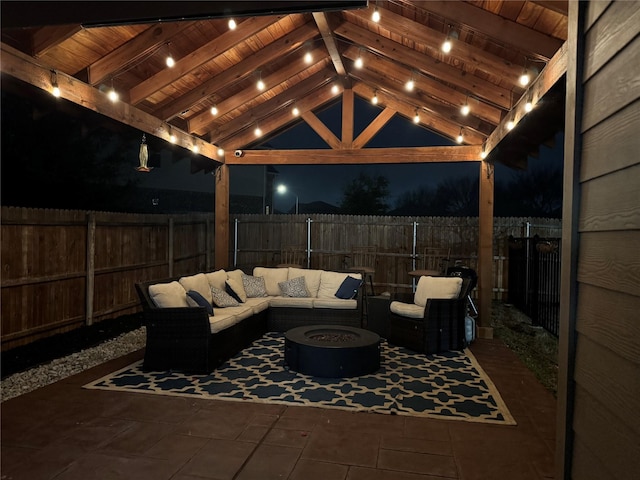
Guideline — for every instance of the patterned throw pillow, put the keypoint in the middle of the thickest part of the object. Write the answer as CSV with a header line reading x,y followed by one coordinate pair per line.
x,y
222,299
194,299
296,287
254,286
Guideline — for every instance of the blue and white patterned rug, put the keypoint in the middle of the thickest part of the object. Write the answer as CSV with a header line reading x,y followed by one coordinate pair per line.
x,y
448,386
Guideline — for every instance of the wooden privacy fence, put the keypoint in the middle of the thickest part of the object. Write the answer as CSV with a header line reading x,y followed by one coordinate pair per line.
x,y
65,269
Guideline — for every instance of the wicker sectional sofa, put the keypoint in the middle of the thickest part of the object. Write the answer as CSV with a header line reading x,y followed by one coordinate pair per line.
x,y
185,335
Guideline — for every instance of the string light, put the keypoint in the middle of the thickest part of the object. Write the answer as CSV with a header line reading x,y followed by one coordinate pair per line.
x,y
232,24
221,152
260,83
214,110
359,62
460,137
113,95
335,89
416,118
55,89
374,99
447,45
308,58
511,124
465,108
529,105
410,83
172,137
169,60
483,154
257,131
375,16
195,148
525,78
296,111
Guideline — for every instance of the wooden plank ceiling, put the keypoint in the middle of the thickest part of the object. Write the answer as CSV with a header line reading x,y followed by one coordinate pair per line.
x,y
218,68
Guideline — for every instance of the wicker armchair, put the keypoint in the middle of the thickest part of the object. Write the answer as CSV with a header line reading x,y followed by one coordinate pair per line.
x,y
437,326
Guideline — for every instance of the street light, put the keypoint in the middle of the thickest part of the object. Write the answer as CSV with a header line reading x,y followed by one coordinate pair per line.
x,y
282,189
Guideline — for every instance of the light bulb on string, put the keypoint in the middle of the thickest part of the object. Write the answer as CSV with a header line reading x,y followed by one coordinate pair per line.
x,y
232,24
169,60
465,109
214,110
375,16
295,111
460,138
260,83
511,124
335,89
374,99
113,95
55,89
410,84
221,152
308,58
359,62
257,131
416,118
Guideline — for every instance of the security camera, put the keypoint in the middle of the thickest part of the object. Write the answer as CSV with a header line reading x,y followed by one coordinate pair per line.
x,y
238,153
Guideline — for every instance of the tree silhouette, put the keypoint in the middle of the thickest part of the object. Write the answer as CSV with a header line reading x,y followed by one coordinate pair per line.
x,y
365,195
457,197
536,192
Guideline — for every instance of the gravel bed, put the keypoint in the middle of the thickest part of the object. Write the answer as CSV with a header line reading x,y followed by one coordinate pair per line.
x,y
50,372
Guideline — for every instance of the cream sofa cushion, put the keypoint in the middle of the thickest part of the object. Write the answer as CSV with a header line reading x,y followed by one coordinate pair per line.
x,y
199,283
436,287
220,321
168,295
311,278
299,302
217,278
272,277
410,310
335,303
330,283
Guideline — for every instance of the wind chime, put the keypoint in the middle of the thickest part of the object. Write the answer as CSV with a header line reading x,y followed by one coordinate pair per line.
x,y
143,156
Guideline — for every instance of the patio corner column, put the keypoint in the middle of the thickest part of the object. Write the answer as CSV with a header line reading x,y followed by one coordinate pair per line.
x,y
485,250
221,241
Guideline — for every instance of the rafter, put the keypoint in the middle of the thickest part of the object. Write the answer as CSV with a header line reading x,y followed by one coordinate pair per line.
x,y
135,49
429,86
430,66
47,37
285,99
246,67
322,21
27,69
204,54
321,129
348,114
506,31
361,156
374,127
201,122
433,39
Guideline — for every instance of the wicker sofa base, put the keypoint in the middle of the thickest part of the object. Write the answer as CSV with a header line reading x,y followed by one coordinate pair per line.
x,y
281,319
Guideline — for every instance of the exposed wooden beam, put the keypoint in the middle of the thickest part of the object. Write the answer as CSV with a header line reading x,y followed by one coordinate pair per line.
x,y
441,112
135,49
322,21
558,6
471,55
429,86
240,70
280,119
437,125
430,66
201,122
268,108
374,127
501,29
25,68
359,156
554,70
204,54
321,129
45,38
348,115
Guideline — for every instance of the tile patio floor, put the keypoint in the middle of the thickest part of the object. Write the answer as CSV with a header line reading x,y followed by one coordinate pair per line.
x,y
65,432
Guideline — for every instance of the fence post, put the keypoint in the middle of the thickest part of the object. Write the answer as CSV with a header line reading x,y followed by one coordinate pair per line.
x,y
309,242
91,267
235,242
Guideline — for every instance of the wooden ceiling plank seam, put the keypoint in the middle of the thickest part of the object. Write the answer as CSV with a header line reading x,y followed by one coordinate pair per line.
x,y
321,129
509,33
25,68
491,92
433,39
133,50
558,6
240,70
204,54
361,156
198,123
273,123
322,22
373,128
431,87
48,37
269,107
443,127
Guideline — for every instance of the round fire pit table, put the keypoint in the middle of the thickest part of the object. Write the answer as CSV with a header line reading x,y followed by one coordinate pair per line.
x,y
332,351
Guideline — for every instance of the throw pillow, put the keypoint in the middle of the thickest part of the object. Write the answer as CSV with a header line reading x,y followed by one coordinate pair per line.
x,y
194,299
349,288
235,290
296,287
222,299
254,286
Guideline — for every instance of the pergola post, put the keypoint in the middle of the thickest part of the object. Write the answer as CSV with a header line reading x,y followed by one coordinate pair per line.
x,y
485,250
222,217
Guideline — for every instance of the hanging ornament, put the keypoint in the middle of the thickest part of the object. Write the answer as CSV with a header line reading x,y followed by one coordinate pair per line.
x,y
143,156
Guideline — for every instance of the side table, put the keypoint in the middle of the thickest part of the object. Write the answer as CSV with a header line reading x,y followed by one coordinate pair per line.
x,y
378,314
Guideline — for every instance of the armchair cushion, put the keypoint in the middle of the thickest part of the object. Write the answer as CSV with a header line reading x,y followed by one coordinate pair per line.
x,y
436,287
410,310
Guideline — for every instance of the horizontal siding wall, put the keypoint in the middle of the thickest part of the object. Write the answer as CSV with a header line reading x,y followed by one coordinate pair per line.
x,y
606,417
